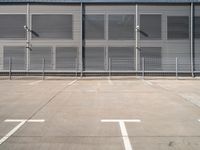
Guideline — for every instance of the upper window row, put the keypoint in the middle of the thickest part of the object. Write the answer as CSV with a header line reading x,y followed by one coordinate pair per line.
x,y
119,27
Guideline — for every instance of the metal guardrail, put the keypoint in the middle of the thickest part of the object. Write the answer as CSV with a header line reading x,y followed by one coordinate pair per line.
x,y
147,66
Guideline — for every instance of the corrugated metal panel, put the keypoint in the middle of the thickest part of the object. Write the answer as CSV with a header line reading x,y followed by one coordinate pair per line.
x,y
36,58
17,55
66,58
152,58
94,59
102,1
121,58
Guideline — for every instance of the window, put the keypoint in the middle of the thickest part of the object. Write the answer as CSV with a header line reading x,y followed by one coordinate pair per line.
x,y
52,26
94,27
121,58
121,27
66,58
12,26
152,58
197,27
178,27
94,58
36,58
17,56
150,27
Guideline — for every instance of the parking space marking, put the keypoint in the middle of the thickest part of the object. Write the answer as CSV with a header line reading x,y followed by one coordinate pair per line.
x,y
21,123
127,143
72,82
148,82
35,82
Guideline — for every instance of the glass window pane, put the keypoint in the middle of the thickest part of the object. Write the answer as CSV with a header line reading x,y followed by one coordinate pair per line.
x,y
52,26
12,26
178,27
150,27
94,27
121,27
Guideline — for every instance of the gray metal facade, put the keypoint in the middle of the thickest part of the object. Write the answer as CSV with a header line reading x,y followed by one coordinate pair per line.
x,y
99,37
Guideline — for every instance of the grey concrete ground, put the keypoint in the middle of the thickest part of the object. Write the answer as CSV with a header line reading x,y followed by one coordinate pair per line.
x,y
73,109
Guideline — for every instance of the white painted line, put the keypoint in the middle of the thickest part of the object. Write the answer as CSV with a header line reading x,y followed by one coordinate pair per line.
x,y
12,131
192,97
118,120
199,120
21,123
148,82
72,82
127,143
35,82
41,120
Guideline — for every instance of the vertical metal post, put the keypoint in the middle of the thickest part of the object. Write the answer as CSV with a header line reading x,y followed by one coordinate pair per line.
x,y
43,68
136,37
76,67
27,36
176,67
109,66
143,67
192,38
10,68
81,38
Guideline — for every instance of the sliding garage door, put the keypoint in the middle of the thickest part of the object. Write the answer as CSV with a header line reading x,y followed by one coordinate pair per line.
x,y
66,58
17,55
94,59
37,54
152,58
121,58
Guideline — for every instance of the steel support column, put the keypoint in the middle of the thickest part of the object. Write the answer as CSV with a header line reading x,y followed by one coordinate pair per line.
x,y
192,38
136,37
81,40
27,28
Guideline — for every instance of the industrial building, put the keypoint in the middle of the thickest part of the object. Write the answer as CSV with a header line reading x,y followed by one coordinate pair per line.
x,y
100,36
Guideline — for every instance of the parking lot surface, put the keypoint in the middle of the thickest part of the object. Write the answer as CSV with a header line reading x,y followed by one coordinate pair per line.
x,y
91,114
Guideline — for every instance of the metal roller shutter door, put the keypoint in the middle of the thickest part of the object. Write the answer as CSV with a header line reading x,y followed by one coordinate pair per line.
x,y
94,59
122,58
18,56
66,58
36,58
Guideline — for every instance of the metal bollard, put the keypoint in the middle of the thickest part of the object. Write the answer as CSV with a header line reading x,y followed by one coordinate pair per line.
x,y
10,68
43,68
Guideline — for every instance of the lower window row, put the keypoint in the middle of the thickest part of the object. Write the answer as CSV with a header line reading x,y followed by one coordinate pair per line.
x,y
94,59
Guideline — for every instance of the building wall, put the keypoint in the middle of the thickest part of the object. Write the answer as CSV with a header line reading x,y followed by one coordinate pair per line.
x,y
114,49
